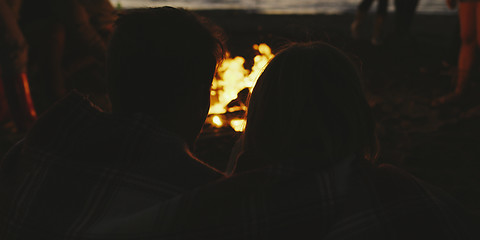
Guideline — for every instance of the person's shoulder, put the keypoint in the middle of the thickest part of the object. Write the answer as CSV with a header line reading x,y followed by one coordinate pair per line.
x,y
69,113
399,182
268,198
396,184
405,207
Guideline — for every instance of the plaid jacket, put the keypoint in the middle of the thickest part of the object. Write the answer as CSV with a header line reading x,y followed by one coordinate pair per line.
x,y
79,165
353,200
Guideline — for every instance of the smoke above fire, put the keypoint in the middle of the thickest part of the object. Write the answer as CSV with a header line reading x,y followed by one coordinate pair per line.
x,y
230,85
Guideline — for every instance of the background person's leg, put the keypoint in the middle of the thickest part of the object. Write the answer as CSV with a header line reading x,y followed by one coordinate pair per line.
x,y
360,16
467,15
365,5
379,24
404,13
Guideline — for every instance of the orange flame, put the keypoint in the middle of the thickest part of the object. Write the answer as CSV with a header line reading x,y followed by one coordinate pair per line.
x,y
231,78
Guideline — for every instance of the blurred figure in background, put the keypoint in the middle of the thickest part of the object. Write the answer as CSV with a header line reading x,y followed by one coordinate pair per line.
x,y
68,42
469,15
404,13
450,60
379,23
64,43
15,99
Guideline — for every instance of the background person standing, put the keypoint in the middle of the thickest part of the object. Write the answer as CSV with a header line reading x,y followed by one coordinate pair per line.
x,y
404,13
469,15
378,27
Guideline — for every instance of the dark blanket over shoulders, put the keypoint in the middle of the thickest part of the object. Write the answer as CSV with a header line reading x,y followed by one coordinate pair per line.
x,y
278,202
79,165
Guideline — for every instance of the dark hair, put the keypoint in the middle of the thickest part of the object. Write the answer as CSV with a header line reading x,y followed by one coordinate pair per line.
x,y
158,57
309,101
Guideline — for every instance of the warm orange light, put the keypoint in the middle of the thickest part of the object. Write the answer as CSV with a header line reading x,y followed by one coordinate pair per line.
x,y
232,77
217,121
238,125
28,96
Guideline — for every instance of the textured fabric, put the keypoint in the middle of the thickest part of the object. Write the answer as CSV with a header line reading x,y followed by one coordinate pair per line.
x,y
79,165
352,200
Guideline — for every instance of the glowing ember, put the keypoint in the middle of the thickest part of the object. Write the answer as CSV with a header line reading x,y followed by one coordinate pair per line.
x,y
238,124
217,121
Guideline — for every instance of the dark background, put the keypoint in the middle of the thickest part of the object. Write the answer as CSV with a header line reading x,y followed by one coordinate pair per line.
x,y
439,145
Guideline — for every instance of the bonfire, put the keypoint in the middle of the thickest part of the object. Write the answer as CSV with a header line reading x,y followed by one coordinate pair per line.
x,y
231,87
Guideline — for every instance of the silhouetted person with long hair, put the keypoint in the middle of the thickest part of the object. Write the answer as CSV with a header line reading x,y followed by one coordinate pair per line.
x,y
307,169
308,101
79,165
469,15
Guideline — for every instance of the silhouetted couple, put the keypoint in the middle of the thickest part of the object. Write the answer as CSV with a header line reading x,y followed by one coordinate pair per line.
x,y
305,170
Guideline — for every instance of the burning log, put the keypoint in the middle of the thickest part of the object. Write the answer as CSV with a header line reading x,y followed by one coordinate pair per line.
x,y
240,101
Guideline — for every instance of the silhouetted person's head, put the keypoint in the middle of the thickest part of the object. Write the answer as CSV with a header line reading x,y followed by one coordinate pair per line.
x,y
308,108
161,61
